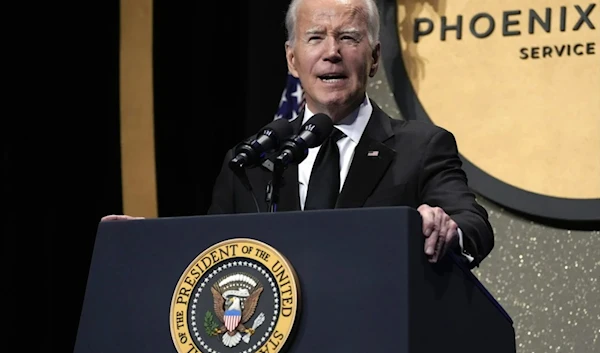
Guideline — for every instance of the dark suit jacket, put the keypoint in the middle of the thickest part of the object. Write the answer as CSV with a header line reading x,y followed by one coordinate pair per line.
x,y
417,163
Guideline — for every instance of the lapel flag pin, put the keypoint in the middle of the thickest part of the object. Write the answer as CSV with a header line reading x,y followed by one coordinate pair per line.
x,y
373,153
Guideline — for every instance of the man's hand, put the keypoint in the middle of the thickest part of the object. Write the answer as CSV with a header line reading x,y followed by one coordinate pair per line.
x,y
118,217
440,231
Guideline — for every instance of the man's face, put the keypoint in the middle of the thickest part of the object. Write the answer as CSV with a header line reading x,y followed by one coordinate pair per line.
x,y
332,55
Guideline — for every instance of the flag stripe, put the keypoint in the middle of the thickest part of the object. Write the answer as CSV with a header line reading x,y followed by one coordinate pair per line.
x,y
232,321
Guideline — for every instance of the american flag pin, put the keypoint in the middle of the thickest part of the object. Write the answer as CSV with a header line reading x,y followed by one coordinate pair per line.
x,y
373,153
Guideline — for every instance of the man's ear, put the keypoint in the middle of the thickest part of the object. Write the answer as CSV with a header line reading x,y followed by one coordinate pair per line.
x,y
291,59
376,57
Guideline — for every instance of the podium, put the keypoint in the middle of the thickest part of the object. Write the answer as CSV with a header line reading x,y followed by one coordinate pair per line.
x,y
363,285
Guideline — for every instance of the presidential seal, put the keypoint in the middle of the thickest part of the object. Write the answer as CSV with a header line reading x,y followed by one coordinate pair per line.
x,y
240,295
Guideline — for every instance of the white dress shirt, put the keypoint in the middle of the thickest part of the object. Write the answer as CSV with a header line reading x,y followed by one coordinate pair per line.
x,y
353,127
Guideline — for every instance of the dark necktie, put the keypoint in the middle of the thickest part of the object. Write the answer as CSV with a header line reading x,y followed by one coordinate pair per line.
x,y
324,184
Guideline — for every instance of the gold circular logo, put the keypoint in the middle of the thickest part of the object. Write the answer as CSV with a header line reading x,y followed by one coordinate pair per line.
x,y
516,83
240,295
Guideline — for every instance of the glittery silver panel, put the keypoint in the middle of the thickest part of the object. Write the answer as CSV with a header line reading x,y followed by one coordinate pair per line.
x,y
545,278
379,90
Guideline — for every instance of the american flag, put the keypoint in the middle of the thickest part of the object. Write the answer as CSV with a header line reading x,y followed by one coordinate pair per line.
x,y
292,99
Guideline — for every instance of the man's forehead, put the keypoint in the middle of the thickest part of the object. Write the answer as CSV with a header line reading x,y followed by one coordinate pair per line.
x,y
343,15
330,8
321,3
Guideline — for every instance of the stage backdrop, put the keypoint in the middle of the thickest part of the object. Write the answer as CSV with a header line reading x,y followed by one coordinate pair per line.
x,y
518,85
523,106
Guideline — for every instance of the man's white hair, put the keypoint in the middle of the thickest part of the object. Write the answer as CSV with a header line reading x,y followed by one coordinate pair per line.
x,y
372,20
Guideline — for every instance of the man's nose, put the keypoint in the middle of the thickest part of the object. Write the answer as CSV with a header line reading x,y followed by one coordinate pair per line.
x,y
332,50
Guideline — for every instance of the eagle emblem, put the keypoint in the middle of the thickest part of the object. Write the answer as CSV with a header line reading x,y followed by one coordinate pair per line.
x,y
235,298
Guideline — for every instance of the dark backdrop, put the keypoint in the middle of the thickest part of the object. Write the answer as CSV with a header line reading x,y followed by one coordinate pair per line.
x,y
218,75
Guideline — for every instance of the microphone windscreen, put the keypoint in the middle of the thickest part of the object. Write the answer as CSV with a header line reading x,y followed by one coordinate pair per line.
x,y
321,126
280,128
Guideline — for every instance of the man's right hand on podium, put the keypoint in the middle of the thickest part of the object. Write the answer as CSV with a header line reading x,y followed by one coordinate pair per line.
x,y
119,217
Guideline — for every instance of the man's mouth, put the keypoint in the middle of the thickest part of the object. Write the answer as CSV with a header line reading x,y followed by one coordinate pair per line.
x,y
332,78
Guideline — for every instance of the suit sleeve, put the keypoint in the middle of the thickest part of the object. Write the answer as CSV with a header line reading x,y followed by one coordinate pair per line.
x,y
444,184
222,193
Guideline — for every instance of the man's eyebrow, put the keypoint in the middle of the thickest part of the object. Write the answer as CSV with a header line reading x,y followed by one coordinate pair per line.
x,y
315,30
349,31
320,30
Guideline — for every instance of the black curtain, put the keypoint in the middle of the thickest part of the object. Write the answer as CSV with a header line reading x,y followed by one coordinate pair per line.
x,y
61,163
219,70
66,166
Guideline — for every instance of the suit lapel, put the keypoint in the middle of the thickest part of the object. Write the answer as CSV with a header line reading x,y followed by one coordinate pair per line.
x,y
371,159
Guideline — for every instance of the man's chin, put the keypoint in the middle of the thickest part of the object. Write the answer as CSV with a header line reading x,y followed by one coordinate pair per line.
x,y
335,101
337,108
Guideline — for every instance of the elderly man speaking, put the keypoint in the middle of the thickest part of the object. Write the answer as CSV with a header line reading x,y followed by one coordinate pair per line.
x,y
370,160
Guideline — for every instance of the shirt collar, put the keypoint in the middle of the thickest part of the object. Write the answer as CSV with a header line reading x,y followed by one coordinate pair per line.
x,y
354,124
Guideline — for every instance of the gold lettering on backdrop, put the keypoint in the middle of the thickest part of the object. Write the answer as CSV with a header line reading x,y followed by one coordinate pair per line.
x,y
516,82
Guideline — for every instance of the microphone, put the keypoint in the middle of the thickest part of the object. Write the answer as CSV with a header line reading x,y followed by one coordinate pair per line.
x,y
312,134
251,154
